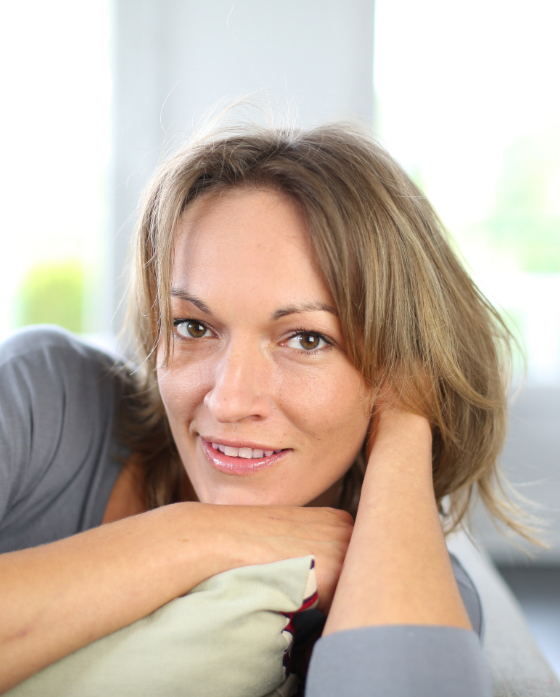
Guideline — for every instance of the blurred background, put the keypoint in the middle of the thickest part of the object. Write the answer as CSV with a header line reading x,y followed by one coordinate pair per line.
x,y
464,96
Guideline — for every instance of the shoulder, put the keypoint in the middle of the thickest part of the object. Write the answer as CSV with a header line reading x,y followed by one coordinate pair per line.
x,y
45,370
43,361
59,400
39,341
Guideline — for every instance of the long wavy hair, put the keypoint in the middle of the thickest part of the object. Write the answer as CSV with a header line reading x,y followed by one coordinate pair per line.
x,y
410,314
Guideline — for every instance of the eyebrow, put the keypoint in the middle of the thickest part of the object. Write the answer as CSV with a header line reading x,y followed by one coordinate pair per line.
x,y
202,306
305,307
282,312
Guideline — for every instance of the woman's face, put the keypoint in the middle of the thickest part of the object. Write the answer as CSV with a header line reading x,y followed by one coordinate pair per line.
x,y
263,403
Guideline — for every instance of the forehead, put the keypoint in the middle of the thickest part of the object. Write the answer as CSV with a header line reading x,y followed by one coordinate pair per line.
x,y
245,237
241,216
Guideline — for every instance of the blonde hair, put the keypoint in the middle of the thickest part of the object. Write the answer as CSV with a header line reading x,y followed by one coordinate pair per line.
x,y
411,316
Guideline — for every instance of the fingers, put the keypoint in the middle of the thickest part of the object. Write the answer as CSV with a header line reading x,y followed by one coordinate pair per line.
x,y
247,535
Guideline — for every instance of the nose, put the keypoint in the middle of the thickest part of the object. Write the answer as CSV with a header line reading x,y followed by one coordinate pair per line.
x,y
242,376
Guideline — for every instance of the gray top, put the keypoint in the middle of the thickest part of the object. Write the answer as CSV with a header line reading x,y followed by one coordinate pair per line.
x,y
59,460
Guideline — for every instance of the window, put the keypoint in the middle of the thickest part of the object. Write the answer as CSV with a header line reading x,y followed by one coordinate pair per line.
x,y
467,102
55,131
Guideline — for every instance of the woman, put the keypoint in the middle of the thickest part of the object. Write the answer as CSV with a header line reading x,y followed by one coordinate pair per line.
x,y
299,314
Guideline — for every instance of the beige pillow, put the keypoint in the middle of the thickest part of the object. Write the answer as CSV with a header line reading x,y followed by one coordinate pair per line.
x,y
225,638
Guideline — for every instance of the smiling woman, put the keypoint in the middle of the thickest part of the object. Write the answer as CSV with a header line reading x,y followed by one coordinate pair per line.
x,y
257,360
406,313
315,374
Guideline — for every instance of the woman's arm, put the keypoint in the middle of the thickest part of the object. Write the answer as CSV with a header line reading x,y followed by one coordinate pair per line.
x,y
397,569
61,596
397,594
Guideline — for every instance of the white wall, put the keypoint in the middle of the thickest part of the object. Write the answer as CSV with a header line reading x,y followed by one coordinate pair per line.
x,y
174,59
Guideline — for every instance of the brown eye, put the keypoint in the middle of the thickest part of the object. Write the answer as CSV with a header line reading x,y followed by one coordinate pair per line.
x,y
191,329
309,342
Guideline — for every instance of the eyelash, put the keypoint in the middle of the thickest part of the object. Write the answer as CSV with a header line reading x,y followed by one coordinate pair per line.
x,y
302,331
183,320
297,332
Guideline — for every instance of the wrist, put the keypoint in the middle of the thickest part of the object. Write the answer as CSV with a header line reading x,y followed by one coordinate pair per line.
x,y
212,538
205,548
404,424
400,453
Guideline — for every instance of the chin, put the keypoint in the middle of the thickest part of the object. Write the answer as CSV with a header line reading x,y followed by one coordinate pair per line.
x,y
239,497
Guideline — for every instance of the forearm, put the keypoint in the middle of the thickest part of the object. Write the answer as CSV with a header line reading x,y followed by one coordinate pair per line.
x,y
57,598
61,596
397,569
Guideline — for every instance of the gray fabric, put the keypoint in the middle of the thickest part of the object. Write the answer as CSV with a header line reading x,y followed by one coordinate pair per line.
x,y
59,459
517,666
470,597
399,661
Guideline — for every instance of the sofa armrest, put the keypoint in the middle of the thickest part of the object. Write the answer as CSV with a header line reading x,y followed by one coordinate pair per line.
x,y
517,666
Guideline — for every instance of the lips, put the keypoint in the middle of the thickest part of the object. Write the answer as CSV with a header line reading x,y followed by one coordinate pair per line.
x,y
240,460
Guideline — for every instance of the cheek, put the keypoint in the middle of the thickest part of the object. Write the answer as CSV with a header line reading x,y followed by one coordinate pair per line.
x,y
332,410
182,389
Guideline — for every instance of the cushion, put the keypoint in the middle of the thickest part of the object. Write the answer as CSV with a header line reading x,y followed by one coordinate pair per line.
x,y
230,636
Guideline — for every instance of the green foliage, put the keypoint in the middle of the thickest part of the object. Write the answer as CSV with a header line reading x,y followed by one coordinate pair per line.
x,y
53,293
523,222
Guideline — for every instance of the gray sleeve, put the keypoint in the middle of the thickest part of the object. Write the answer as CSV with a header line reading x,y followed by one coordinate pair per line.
x,y
399,661
58,455
404,660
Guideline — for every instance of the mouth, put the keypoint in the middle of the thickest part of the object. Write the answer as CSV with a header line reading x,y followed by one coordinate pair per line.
x,y
240,459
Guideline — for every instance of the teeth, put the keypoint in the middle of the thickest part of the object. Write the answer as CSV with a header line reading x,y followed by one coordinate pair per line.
x,y
247,453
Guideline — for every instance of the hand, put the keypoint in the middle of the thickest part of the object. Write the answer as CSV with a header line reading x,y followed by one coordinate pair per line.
x,y
397,568
234,536
396,436
394,415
